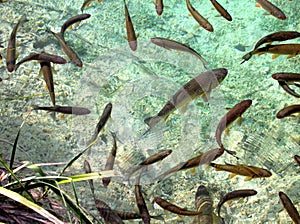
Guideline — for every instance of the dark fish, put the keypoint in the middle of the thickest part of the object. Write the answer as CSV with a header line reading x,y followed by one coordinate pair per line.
x,y
272,9
297,159
48,77
130,215
235,194
204,204
223,12
286,77
42,57
65,110
87,169
277,36
288,89
174,208
244,170
289,207
85,4
131,37
72,55
11,47
110,161
172,44
230,117
201,85
107,213
159,7
287,111
73,20
200,19
141,204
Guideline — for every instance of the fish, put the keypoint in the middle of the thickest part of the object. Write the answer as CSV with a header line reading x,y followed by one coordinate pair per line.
x,y
243,170
43,56
72,55
272,9
11,47
172,44
289,207
48,77
73,20
277,36
286,76
131,37
203,203
110,161
288,89
107,213
297,159
231,116
85,4
233,195
141,204
87,169
65,110
223,12
159,7
288,111
201,85
130,215
174,208
285,49
200,19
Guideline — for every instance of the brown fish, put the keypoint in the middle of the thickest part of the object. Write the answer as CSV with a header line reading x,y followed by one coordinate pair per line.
x,y
87,169
141,204
131,37
48,77
203,203
277,36
289,207
272,9
85,4
200,19
233,195
107,213
201,85
223,12
297,159
288,89
159,7
130,215
110,161
11,47
244,170
286,76
231,116
73,20
287,111
65,110
174,208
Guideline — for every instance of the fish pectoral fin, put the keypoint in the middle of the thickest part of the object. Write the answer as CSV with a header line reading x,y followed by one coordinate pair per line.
x,y
258,5
232,175
227,130
291,55
193,171
274,56
248,178
240,120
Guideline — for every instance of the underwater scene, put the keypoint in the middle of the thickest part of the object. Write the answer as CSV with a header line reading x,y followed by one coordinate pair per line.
x,y
150,111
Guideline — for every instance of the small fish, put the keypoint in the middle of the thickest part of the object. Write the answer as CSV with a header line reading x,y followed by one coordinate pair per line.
x,y
110,161
131,37
174,208
65,110
203,203
72,55
73,20
159,7
233,195
87,169
277,36
243,170
107,213
141,204
231,116
289,207
288,89
272,9
85,4
130,215
48,77
172,44
286,77
11,47
200,19
223,12
42,57
287,111
201,85
286,49
297,159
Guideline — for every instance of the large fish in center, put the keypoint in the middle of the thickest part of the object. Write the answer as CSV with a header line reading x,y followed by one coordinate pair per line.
x,y
201,85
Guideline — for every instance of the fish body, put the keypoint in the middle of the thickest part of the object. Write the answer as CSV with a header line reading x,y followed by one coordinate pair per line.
x,y
277,36
243,170
288,89
141,204
172,44
87,169
287,111
131,37
65,110
272,9
130,215
159,7
85,4
223,12
203,203
73,20
200,19
297,159
110,161
230,117
48,77
286,77
11,47
289,207
107,213
201,85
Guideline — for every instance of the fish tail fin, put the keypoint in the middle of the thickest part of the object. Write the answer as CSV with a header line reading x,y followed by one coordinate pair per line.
x,y
246,57
152,121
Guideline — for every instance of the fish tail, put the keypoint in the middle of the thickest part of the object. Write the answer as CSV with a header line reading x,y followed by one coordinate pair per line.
x,y
246,57
152,121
